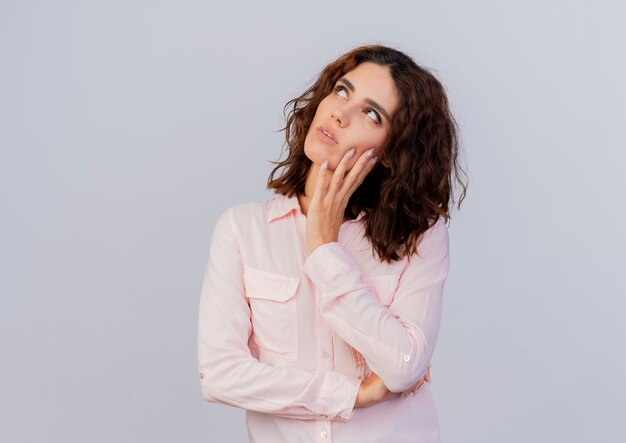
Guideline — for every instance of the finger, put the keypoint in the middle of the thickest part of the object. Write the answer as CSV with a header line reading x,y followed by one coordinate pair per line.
x,y
417,387
340,172
412,388
357,174
320,188
408,391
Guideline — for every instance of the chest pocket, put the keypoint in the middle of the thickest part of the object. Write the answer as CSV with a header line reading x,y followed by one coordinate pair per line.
x,y
274,312
384,286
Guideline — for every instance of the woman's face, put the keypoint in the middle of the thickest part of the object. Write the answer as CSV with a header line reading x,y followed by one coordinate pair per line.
x,y
356,113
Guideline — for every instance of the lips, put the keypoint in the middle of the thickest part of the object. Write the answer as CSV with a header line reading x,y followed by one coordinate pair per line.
x,y
326,132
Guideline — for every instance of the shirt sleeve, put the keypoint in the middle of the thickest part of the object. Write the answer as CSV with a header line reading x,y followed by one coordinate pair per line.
x,y
228,372
397,342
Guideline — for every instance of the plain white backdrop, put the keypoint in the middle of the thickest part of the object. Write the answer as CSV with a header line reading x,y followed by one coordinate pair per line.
x,y
127,127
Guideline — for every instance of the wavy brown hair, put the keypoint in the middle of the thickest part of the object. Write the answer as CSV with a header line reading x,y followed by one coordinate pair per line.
x,y
411,185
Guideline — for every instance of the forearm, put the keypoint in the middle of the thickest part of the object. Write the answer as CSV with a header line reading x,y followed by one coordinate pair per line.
x,y
397,341
235,379
228,371
396,350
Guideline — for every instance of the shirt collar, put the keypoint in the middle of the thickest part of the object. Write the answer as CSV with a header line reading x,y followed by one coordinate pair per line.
x,y
282,205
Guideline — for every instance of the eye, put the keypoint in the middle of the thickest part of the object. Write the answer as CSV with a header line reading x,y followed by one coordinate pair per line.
x,y
339,88
378,119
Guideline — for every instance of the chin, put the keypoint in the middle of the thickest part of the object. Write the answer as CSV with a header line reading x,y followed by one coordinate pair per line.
x,y
318,153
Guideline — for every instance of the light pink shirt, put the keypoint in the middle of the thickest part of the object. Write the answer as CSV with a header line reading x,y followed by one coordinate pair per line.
x,y
289,335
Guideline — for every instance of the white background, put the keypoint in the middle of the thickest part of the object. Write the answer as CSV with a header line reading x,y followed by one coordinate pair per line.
x,y
127,127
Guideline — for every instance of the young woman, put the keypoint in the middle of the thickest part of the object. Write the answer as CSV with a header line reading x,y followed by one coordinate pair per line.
x,y
320,308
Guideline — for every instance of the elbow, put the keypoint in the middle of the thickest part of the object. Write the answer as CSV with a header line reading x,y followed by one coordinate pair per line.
x,y
209,395
209,391
214,377
406,376
215,367
217,388
401,384
220,377
410,366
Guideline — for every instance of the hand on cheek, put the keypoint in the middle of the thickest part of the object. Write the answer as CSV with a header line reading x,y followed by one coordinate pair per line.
x,y
331,194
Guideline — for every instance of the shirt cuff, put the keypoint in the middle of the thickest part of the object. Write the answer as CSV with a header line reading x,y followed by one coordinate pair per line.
x,y
331,268
339,392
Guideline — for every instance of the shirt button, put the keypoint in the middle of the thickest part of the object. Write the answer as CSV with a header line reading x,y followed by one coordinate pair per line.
x,y
407,357
201,375
325,354
323,434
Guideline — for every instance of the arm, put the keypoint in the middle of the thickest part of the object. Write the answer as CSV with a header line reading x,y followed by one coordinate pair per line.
x,y
397,343
229,374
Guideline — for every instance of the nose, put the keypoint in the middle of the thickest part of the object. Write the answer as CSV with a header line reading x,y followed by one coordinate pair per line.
x,y
340,116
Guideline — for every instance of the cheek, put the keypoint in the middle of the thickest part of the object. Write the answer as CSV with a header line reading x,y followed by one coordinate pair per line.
x,y
323,105
381,143
377,142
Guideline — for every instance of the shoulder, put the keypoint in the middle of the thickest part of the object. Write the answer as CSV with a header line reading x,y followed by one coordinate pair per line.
x,y
242,216
435,237
249,209
439,228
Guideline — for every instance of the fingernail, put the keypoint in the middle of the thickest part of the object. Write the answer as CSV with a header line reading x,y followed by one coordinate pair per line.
x,y
351,152
370,152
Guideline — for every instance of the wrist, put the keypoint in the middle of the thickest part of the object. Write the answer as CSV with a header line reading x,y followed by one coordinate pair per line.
x,y
316,244
363,398
359,397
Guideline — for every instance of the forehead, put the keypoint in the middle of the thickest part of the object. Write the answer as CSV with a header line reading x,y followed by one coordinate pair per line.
x,y
374,81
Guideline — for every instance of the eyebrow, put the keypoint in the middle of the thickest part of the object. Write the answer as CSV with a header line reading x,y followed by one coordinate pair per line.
x,y
369,101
